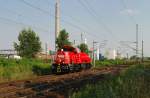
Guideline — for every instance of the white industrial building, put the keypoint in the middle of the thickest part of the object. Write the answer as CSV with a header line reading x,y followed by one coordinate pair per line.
x,y
111,54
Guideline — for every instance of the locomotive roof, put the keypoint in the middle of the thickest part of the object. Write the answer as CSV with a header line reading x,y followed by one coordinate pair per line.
x,y
68,47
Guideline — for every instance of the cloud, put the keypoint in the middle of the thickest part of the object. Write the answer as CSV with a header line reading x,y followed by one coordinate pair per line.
x,y
129,12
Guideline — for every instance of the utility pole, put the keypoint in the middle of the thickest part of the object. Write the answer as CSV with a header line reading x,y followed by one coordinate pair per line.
x,y
57,21
142,50
127,56
81,37
46,50
74,42
137,40
94,52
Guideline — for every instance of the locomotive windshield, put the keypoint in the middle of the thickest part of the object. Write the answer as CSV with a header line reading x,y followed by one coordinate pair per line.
x,y
70,49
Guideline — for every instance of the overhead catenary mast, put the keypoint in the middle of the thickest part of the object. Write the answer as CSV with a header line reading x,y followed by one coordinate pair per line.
x,y
137,40
81,37
57,21
142,50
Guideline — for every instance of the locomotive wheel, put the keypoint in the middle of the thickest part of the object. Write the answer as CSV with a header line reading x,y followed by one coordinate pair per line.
x,y
83,66
71,68
86,66
56,69
65,69
77,67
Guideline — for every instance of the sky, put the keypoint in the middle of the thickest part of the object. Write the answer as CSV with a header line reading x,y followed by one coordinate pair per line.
x,y
98,20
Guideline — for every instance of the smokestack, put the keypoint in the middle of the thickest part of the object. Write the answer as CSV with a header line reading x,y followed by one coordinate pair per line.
x,y
57,20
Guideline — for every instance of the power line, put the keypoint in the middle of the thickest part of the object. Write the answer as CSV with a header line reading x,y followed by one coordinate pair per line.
x,y
130,16
86,26
77,27
97,18
18,14
126,44
100,19
20,23
63,20
35,7
47,1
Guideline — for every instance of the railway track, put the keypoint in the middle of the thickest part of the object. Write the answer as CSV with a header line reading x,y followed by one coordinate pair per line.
x,y
54,86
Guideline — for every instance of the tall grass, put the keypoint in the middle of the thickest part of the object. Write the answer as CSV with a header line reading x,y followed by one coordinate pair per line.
x,y
11,69
115,62
133,83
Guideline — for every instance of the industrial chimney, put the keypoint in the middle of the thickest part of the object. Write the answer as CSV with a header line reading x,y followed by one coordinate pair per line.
x,y
57,21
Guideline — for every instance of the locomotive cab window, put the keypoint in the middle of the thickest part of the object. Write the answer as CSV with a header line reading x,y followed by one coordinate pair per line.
x,y
68,49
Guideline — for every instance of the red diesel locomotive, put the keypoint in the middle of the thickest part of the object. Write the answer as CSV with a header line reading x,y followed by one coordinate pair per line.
x,y
70,59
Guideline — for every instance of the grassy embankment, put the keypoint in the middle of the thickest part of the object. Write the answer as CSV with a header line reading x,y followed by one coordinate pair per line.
x,y
22,69
133,83
27,68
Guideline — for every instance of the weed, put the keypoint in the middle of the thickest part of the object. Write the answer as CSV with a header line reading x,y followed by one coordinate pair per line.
x,y
133,83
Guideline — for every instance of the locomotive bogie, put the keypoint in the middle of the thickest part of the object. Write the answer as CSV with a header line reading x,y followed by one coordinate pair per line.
x,y
70,68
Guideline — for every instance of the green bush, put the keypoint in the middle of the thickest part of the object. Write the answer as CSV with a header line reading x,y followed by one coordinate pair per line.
x,y
11,69
114,62
109,62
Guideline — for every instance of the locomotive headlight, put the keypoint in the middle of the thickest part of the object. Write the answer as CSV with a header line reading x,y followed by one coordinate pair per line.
x,y
61,56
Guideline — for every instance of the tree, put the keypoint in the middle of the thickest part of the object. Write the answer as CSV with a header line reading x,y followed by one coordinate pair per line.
x,y
29,43
63,39
83,47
